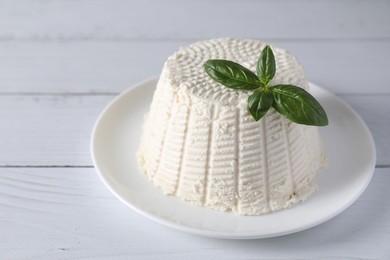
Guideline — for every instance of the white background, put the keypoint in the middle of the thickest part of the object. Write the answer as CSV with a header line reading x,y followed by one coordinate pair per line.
x,y
62,61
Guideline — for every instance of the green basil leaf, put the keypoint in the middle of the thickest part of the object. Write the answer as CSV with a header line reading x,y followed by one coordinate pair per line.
x,y
259,103
266,65
298,105
231,74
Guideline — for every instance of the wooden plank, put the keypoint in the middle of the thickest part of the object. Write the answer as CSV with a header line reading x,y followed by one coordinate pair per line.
x,y
48,130
69,214
56,129
101,67
173,19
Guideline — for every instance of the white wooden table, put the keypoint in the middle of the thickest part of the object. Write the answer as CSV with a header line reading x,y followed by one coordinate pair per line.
x,y
62,61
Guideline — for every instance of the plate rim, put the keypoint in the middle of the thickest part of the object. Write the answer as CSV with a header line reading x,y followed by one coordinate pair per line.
x,y
222,234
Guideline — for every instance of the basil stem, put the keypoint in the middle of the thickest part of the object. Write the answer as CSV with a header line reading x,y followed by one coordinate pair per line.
x,y
291,101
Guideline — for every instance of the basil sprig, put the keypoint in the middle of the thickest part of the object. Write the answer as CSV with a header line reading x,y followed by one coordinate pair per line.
x,y
291,101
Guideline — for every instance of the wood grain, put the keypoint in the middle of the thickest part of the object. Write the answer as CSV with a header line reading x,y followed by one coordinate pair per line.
x,y
68,213
173,19
48,130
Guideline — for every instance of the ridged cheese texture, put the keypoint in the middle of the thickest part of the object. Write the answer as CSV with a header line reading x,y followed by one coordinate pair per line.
x,y
200,143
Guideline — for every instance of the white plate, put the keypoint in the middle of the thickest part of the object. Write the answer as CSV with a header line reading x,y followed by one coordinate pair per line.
x,y
348,142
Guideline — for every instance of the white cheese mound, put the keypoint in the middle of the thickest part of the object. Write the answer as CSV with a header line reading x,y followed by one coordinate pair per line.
x,y
200,143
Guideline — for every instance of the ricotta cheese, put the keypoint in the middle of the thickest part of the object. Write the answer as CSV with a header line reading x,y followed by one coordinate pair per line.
x,y
200,143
